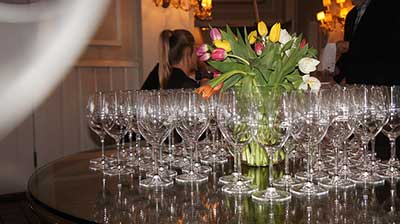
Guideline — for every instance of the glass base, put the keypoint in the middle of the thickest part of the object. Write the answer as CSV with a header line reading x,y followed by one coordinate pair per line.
x,y
233,178
286,181
163,172
181,163
213,159
238,188
197,168
395,163
345,171
118,170
336,182
319,175
271,194
309,189
169,158
98,166
390,172
191,177
366,178
100,160
156,181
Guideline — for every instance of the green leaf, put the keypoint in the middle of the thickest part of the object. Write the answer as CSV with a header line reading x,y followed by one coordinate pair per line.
x,y
287,46
233,80
224,66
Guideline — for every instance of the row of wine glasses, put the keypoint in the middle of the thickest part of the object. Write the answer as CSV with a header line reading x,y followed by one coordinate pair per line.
x,y
271,117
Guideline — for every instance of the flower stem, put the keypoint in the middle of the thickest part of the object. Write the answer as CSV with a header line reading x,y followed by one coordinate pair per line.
x,y
240,58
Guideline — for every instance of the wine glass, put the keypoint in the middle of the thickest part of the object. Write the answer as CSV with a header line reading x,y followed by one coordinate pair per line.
x,y
311,120
392,131
234,116
214,158
341,127
154,125
192,122
95,117
272,123
371,112
116,125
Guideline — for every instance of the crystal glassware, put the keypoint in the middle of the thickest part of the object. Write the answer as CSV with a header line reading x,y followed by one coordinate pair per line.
x,y
233,117
272,128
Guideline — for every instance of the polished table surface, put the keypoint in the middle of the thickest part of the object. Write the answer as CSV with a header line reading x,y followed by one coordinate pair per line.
x,y
68,191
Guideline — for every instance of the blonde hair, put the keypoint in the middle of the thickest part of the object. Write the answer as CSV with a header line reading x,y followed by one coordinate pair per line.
x,y
172,47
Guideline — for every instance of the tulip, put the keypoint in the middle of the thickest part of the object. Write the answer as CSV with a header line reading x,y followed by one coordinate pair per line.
x,y
310,82
252,37
284,36
216,74
224,44
262,29
215,34
303,43
275,32
259,47
218,54
202,50
307,65
205,57
207,91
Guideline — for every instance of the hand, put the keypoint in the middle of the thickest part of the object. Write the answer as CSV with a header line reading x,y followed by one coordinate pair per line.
x,y
342,47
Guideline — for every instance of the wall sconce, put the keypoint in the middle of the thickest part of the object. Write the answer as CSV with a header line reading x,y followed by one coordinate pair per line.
x,y
202,9
332,18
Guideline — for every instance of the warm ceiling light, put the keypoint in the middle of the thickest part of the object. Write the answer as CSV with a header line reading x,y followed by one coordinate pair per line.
x,y
321,16
332,18
202,9
326,3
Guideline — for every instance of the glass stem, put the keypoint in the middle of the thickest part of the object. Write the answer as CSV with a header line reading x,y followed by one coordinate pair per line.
x,y
336,160
392,153
270,166
118,154
309,177
130,135
103,156
365,149
155,161
161,153
373,151
137,146
238,162
191,157
286,162
213,142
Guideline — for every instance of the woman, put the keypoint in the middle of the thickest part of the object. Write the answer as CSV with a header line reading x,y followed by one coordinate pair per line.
x,y
177,62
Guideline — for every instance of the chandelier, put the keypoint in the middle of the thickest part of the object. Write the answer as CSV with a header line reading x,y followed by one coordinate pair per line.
x,y
202,9
332,18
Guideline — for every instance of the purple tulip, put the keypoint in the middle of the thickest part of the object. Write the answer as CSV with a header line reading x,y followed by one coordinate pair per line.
x,y
218,54
259,47
202,50
215,34
205,57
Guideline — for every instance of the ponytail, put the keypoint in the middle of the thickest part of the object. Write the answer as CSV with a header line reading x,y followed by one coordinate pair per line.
x,y
164,68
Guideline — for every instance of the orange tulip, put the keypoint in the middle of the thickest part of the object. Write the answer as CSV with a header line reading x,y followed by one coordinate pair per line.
x,y
207,91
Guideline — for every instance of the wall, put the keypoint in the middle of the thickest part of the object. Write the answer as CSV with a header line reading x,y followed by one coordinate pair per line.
x,y
154,20
58,127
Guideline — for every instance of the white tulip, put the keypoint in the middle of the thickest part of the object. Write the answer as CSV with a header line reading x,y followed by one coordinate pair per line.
x,y
309,81
307,65
284,37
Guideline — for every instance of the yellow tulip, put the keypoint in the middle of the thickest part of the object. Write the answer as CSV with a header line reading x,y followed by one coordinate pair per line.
x,y
262,29
224,44
252,37
275,32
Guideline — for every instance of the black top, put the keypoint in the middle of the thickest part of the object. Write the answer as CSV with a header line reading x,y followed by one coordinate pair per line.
x,y
374,45
177,80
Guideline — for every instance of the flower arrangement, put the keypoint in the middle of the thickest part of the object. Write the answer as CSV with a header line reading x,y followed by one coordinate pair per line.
x,y
262,59
276,60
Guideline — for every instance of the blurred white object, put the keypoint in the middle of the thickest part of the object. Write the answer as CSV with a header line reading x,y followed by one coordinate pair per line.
x,y
39,43
328,58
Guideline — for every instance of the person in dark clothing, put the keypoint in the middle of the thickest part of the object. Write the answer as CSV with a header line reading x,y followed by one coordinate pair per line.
x,y
177,62
371,42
